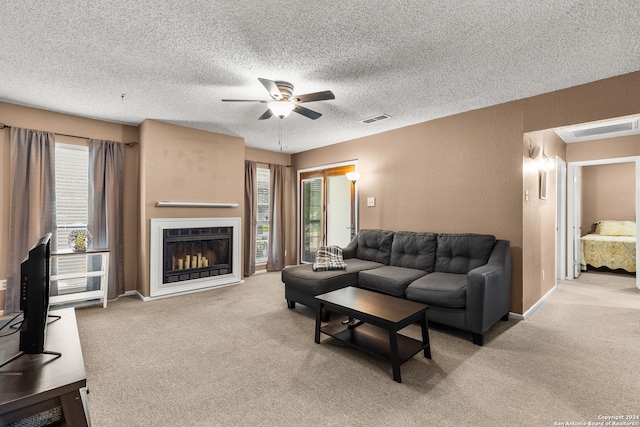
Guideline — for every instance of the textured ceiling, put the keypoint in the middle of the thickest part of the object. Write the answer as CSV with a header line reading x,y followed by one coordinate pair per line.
x,y
413,60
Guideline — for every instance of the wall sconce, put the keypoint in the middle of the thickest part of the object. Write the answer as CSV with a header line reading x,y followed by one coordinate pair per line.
x,y
534,150
353,177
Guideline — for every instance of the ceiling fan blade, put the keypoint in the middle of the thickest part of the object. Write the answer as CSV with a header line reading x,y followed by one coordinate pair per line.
x,y
271,87
316,96
313,115
244,100
266,115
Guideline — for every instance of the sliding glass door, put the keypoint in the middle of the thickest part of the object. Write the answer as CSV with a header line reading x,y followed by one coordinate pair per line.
x,y
327,206
312,218
338,210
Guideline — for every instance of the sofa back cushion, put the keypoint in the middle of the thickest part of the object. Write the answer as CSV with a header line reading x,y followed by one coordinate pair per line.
x,y
374,245
461,253
414,250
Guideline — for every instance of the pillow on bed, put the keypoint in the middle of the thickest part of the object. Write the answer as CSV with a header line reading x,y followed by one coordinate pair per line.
x,y
616,228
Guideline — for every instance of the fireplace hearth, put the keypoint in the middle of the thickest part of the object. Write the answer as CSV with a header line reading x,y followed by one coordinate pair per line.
x,y
189,254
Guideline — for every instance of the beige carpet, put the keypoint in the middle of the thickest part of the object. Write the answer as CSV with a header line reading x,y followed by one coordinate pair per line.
x,y
237,356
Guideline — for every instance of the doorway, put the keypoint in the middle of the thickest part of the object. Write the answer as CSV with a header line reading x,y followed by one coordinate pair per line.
x,y
326,208
574,208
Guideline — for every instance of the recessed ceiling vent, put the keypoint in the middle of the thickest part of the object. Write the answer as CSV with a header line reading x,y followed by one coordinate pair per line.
x,y
601,130
376,118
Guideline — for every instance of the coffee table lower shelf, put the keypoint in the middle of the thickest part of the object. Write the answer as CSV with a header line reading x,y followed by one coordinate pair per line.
x,y
375,340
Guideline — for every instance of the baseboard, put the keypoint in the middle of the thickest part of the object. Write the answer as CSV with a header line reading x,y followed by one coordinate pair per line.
x,y
1,312
534,307
147,299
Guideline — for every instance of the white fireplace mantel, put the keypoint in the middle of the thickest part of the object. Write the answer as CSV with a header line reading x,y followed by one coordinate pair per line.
x,y
158,225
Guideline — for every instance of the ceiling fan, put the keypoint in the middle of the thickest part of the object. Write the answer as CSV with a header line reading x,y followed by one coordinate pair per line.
x,y
284,101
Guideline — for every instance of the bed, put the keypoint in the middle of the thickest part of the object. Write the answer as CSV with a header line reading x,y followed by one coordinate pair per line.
x,y
613,245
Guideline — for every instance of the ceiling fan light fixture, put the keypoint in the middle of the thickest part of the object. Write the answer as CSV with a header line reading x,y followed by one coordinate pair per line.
x,y
281,108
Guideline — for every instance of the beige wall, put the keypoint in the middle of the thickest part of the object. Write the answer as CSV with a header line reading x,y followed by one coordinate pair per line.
x,y
539,215
457,174
613,203
610,148
180,164
608,192
31,118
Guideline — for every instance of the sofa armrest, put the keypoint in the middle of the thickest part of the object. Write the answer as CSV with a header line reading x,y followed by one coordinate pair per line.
x,y
349,251
489,290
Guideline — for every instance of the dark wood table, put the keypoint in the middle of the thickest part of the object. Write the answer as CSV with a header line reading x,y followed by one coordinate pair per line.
x,y
374,322
43,383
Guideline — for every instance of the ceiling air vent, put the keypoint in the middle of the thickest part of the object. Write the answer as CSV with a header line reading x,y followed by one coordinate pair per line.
x,y
376,119
600,130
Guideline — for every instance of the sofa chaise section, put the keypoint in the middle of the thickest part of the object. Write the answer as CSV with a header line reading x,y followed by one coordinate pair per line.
x,y
368,250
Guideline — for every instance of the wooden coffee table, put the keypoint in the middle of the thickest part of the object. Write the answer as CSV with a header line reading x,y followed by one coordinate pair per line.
x,y
374,322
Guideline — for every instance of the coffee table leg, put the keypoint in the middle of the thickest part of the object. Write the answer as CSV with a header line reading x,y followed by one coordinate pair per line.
x,y
318,321
395,357
425,336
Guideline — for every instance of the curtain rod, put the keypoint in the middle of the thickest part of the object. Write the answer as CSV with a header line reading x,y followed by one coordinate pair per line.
x,y
128,144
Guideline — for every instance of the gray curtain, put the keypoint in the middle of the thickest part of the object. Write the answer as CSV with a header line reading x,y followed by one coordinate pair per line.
x,y
33,201
106,183
275,257
250,217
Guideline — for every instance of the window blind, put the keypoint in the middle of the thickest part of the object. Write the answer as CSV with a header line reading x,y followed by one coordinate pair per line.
x,y
72,207
263,179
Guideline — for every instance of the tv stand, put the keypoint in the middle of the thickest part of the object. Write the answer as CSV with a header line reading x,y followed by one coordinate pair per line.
x,y
22,353
29,387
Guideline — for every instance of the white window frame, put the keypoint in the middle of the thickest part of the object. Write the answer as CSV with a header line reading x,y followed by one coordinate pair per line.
x,y
74,214
261,233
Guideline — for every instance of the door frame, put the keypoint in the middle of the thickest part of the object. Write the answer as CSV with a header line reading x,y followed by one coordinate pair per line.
x,y
353,163
561,219
573,221
574,203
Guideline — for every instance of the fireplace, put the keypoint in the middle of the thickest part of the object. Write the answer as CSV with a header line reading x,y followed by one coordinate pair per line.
x,y
189,254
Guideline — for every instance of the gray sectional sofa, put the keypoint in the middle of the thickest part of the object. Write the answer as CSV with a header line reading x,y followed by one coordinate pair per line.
x,y
465,278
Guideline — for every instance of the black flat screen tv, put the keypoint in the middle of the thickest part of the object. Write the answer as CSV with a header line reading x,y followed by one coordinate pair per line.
x,y
34,296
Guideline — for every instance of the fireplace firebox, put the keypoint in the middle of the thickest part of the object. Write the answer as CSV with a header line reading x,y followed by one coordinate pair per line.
x,y
194,253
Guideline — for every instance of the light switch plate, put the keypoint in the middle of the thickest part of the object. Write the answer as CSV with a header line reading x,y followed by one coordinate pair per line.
x,y
371,201
3,285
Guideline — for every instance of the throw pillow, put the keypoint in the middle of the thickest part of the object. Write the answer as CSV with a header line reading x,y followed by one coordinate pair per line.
x,y
616,228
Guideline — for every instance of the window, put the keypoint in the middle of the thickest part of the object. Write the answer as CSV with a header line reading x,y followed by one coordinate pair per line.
x,y
262,227
72,208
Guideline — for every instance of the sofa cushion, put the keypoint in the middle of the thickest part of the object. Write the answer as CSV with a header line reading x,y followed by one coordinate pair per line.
x,y
461,253
414,250
374,245
441,289
389,279
303,278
